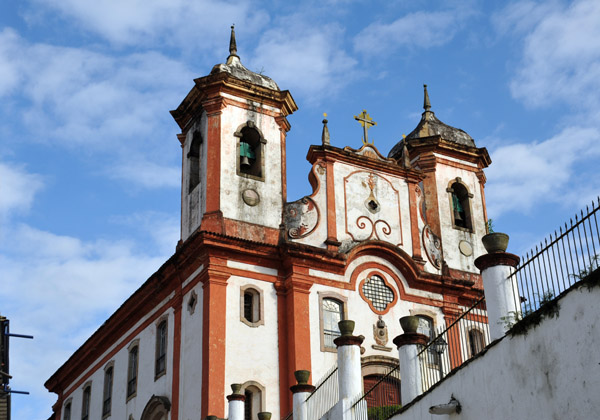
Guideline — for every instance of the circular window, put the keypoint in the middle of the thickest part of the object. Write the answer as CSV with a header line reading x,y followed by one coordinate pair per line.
x,y
378,293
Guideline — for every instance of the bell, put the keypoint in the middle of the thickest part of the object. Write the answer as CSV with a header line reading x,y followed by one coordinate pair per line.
x,y
457,216
244,163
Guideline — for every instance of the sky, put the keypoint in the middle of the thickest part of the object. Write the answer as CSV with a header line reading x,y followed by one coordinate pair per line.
x,y
90,162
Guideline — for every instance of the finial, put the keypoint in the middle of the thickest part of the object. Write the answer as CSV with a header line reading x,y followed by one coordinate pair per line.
x,y
325,134
232,44
426,103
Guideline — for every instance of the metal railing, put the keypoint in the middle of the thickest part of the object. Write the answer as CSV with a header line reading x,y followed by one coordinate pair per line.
x,y
466,335
558,262
382,398
289,416
325,395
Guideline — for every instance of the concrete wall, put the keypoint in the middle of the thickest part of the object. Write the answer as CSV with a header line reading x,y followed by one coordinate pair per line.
x,y
552,372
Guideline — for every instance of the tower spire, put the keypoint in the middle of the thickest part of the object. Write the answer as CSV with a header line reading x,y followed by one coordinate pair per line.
x,y
426,103
232,43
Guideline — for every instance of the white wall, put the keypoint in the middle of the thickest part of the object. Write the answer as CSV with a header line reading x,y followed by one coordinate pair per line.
x,y
552,372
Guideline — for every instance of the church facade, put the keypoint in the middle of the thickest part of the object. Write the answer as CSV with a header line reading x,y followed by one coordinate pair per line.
x,y
257,284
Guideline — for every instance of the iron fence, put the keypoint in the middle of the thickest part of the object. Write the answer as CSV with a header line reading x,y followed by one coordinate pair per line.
x,y
382,396
325,395
466,335
558,262
289,416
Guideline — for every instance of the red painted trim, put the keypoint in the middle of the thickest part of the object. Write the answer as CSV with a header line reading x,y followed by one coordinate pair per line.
x,y
331,210
213,160
285,398
177,302
414,220
213,343
362,295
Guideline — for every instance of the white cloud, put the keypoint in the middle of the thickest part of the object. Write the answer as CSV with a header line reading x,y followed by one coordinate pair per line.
x,y
46,279
555,171
196,25
17,188
308,60
147,174
561,57
418,29
90,102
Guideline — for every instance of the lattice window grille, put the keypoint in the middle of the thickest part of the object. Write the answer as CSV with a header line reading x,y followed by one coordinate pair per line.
x,y
378,293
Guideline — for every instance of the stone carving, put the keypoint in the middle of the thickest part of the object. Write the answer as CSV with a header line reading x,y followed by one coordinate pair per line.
x,y
301,217
433,246
380,332
251,197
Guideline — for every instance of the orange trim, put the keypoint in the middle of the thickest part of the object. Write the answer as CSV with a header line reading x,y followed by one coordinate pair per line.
x,y
457,165
362,295
481,177
213,161
454,340
176,356
331,210
298,327
213,343
414,220
282,146
285,397
431,203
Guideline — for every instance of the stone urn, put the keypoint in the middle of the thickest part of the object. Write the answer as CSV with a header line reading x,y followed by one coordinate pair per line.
x,y
495,242
346,327
236,388
302,376
409,323
264,416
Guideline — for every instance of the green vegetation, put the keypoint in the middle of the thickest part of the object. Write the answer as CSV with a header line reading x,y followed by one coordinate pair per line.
x,y
383,412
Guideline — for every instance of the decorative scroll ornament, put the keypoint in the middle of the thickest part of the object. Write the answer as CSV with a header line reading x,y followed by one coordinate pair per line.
x,y
433,246
301,218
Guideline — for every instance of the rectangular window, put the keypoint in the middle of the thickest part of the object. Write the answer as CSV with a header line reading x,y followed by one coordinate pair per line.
x,y
67,412
108,385
85,405
132,371
161,349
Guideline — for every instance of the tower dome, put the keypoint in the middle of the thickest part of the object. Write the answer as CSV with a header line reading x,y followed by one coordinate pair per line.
x,y
430,126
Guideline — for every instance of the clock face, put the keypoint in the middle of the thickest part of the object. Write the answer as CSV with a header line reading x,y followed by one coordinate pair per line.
x,y
465,248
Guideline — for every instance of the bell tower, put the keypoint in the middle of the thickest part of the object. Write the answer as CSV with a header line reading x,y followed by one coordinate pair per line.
x,y
233,131
453,202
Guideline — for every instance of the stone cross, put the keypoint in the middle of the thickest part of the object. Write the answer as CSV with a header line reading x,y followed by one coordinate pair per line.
x,y
366,121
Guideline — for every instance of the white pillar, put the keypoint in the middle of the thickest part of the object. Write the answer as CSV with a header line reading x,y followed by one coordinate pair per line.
x,y
501,293
349,370
236,403
301,392
411,384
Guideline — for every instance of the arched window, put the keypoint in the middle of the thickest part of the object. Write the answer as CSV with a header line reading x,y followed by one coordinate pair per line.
x,y
161,349
251,306
250,159
67,411
132,371
108,386
460,205
476,342
85,404
253,404
194,161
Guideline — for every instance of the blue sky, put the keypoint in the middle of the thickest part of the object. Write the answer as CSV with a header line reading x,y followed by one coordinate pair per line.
x,y
90,165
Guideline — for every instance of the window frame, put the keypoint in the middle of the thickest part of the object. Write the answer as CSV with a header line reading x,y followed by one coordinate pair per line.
x,y
386,283
480,343
68,403
162,340
86,399
107,394
132,370
194,155
258,398
344,303
466,203
259,150
258,306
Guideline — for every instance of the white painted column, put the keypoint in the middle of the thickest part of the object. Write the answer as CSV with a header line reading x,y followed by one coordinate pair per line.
x,y
236,403
349,370
501,293
409,345
301,392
